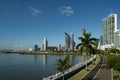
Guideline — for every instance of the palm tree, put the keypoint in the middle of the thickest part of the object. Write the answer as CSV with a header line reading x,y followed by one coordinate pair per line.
x,y
87,44
63,65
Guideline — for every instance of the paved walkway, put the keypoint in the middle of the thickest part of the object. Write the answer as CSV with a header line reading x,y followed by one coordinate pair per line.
x,y
100,72
104,72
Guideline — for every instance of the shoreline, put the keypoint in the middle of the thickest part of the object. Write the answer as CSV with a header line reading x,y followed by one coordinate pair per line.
x,y
41,53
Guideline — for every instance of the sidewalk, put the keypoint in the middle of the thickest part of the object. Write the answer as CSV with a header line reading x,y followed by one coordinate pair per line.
x,y
81,74
104,72
100,72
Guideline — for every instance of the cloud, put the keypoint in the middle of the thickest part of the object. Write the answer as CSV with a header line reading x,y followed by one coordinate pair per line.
x,y
34,11
17,46
66,10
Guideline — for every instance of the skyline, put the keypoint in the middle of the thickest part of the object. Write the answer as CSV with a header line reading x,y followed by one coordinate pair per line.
x,y
24,23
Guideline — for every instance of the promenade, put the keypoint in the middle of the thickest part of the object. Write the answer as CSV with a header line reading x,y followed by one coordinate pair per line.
x,y
104,72
100,72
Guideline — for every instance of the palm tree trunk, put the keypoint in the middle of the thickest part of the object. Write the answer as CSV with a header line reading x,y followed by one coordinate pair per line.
x,y
86,63
63,76
92,58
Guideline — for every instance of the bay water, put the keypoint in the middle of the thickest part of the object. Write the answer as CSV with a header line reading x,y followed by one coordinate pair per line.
x,y
30,67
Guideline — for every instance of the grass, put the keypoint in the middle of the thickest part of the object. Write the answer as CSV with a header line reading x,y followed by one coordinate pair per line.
x,y
114,72
84,72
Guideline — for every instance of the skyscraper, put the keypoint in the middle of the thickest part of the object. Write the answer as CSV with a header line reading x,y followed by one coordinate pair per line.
x,y
42,47
45,44
67,41
36,48
72,42
109,26
59,47
110,33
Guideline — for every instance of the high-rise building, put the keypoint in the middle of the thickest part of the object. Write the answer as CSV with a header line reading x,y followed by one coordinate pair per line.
x,y
45,44
42,47
109,26
59,47
67,41
36,48
110,33
72,42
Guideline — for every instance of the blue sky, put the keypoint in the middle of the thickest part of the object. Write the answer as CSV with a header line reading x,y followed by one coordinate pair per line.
x,y
24,23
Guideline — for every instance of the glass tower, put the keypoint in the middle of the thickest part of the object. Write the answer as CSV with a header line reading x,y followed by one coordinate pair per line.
x,y
72,42
67,41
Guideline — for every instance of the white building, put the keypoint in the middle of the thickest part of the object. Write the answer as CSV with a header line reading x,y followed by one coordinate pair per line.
x,y
109,27
45,44
59,47
42,47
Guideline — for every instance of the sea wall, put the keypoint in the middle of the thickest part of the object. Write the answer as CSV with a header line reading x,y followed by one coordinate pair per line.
x,y
71,71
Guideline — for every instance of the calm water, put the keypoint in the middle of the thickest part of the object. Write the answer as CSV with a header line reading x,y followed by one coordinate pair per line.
x,y
30,67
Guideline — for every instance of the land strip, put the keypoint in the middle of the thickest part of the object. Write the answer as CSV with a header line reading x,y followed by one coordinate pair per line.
x,y
80,75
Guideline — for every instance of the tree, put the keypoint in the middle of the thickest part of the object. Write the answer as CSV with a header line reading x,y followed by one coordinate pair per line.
x,y
87,44
113,61
99,52
114,51
63,65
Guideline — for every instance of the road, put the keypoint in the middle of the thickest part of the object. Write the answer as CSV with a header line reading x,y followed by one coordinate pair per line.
x,y
100,72
104,73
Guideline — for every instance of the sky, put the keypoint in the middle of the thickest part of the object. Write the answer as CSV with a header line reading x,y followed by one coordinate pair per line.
x,y
24,23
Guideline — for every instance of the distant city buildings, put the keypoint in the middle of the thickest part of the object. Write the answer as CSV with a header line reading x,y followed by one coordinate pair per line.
x,y
45,46
110,34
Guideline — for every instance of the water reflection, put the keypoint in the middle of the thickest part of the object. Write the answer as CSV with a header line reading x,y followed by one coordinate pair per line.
x,y
44,60
71,59
36,58
49,59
